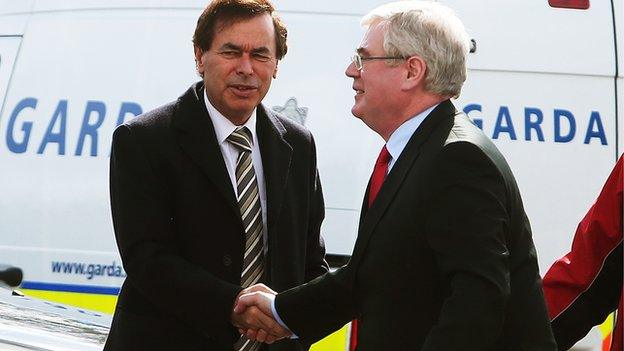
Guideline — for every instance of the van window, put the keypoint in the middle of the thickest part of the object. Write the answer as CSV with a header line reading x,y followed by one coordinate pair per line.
x,y
9,46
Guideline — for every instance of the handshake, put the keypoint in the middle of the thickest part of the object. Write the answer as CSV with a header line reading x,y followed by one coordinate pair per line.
x,y
253,315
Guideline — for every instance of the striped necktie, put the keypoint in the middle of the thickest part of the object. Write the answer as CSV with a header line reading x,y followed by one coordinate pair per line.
x,y
251,214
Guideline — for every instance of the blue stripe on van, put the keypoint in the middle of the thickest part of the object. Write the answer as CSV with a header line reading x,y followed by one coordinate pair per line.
x,y
88,289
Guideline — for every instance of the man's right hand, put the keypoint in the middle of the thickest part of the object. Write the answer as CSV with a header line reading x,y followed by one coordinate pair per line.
x,y
252,321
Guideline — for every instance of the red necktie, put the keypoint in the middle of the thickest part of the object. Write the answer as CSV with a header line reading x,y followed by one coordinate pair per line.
x,y
379,174
377,179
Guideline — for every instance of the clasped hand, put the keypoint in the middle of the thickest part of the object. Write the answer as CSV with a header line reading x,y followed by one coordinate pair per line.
x,y
253,317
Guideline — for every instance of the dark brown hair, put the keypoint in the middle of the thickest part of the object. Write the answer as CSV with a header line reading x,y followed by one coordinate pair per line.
x,y
226,12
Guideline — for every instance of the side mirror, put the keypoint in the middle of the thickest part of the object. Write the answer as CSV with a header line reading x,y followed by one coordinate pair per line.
x,y
11,276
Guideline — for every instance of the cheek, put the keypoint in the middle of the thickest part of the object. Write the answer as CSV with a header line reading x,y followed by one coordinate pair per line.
x,y
218,70
265,71
266,77
385,88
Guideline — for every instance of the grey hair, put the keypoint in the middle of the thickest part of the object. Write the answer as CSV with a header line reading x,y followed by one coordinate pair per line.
x,y
428,30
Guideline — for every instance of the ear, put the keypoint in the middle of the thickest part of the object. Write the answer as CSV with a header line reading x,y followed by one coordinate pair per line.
x,y
275,72
199,61
416,72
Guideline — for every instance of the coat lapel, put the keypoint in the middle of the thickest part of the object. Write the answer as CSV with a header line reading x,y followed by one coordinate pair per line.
x,y
196,136
276,156
408,160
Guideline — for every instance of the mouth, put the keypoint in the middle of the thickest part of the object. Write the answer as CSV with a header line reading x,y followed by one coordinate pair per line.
x,y
358,91
243,90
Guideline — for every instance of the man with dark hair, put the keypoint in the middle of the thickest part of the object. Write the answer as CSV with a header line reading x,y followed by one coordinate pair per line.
x,y
213,193
226,12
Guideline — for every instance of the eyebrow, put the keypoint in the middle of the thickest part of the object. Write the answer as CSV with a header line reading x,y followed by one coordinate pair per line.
x,y
261,50
361,50
230,46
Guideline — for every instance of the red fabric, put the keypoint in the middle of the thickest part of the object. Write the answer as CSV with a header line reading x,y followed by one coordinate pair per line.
x,y
597,235
353,336
379,174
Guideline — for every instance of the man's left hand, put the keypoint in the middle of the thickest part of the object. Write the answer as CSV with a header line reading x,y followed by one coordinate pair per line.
x,y
259,302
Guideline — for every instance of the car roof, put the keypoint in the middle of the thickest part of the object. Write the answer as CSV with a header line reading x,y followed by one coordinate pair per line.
x,y
34,324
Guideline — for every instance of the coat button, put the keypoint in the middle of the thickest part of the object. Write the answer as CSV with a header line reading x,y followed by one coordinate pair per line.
x,y
227,260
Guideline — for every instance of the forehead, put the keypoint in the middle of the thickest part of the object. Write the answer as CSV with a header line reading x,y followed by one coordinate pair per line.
x,y
372,42
254,32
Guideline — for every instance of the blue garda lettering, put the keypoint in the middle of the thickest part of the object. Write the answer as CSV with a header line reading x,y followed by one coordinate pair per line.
x,y
559,138
90,129
504,124
20,128
60,114
128,108
13,145
594,120
533,124
474,107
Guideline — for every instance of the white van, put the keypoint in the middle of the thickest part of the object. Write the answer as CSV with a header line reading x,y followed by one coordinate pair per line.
x,y
545,83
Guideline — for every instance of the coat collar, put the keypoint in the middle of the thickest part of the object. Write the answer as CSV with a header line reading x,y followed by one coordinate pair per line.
x,y
441,116
276,161
196,136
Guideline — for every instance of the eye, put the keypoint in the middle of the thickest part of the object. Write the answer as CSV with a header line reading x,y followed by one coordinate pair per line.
x,y
261,57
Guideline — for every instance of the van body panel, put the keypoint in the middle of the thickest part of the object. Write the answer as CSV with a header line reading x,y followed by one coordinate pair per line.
x,y
16,7
531,36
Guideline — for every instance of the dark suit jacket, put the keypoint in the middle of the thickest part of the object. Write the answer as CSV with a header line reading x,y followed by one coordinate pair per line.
x,y
444,258
179,230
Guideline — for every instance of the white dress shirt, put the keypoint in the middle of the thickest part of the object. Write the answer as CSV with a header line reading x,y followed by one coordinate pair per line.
x,y
223,128
399,138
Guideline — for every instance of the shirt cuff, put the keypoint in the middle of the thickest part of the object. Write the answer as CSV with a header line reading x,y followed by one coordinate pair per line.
x,y
279,320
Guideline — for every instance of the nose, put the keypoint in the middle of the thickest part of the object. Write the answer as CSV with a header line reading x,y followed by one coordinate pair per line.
x,y
352,71
245,66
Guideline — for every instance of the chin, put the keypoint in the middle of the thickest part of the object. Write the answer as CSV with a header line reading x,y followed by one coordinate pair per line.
x,y
242,108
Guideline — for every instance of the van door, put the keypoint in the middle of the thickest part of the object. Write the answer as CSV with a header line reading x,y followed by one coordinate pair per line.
x,y
9,46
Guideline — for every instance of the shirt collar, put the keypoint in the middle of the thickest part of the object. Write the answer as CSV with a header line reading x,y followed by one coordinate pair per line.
x,y
223,126
399,138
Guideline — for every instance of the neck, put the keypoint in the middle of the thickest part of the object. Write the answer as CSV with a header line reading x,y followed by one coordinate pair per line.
x,y
415,107
238,121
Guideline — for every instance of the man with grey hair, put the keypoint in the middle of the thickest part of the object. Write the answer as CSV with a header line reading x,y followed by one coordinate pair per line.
x,y
444,258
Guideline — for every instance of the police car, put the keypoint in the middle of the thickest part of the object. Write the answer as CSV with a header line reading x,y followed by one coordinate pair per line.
x,y
28,323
